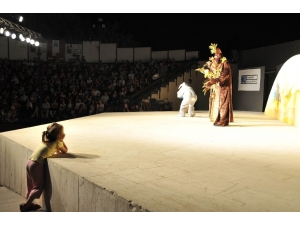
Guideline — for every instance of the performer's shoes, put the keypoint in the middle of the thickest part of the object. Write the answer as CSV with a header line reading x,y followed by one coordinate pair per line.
x,y
192,115
32,207
180,115
23,208
218,125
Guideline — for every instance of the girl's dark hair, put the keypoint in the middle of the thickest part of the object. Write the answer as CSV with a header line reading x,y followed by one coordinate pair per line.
x,y
52,133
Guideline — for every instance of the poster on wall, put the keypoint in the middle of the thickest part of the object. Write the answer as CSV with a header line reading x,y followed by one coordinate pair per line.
x,y
249,80
55,47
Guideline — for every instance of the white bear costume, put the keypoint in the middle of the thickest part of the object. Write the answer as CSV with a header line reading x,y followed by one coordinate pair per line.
x,y
189,97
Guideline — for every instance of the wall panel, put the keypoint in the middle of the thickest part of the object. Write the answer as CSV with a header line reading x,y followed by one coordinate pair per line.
x,y
124,54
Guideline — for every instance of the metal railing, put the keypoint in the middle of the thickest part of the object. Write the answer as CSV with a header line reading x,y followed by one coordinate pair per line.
x,y
162,81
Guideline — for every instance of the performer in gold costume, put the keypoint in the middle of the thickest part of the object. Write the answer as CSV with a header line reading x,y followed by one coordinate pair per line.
x,y
219,82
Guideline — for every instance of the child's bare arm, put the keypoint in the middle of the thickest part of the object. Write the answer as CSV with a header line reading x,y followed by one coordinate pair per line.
x,y
64,148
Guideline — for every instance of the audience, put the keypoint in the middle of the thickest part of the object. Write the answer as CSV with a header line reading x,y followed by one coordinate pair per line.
x,y
71,89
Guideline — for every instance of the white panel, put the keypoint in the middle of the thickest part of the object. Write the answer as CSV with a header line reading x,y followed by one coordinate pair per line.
x,y
73,51
143,54
124,54
191,55
177,55
33,51
249,80
3,48
43,49
18,50
160,55
90,50
108,52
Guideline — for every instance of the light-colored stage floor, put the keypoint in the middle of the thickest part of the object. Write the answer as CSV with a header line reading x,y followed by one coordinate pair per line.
x,y
166,163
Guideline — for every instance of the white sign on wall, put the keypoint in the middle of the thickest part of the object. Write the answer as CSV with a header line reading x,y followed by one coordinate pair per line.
x,y
249,80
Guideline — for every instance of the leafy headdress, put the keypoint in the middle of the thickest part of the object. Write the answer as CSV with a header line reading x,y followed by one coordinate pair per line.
x,y
205,68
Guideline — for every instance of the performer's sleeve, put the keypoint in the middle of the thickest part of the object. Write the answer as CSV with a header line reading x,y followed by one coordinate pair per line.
x,y
225,75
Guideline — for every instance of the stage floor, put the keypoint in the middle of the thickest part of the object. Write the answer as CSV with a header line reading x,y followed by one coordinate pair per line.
x,y
166,163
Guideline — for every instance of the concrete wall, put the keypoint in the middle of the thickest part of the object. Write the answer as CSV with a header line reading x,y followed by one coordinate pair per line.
x,y
191,55
93,51
65,191
18,50
3,47
143,54
177,55
160,55
90,50
124,54
108,52
13,158
271,58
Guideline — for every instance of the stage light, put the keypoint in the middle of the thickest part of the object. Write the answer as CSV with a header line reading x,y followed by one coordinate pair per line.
x,y
28,40
36,43
13,36
21,37
20,18
1,30
7,33
32,41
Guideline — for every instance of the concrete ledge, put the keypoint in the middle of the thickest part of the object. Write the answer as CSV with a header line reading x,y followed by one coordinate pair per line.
x,y
65,191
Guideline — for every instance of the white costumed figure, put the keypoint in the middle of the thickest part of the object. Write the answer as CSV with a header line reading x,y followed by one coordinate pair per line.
x,y
189,97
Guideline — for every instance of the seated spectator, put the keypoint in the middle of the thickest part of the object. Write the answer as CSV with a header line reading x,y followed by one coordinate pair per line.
x,y
4,104
3,115
98,97
115,96
28,108
45,109
16,104
95,92
62,109
84,98
131,75
131,90
82,111
36,111
54,108
70,107
92,109
126,109
105,98
23,98
136,108
89,81
122,82
137,86
100,107
9,116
